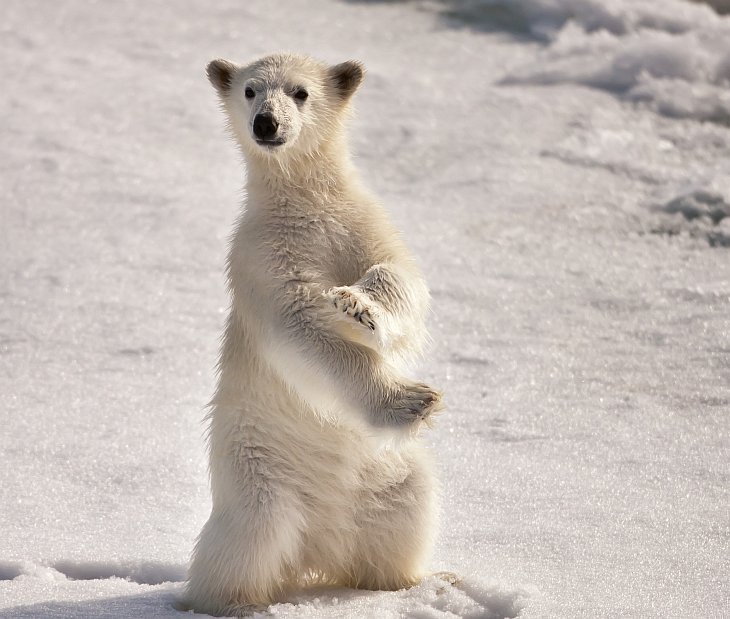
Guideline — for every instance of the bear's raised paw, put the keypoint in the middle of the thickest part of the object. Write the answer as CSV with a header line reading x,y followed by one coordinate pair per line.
x,y
352,304
414,402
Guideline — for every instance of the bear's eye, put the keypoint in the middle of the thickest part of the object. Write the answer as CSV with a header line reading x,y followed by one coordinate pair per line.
x,y
250,94
301,94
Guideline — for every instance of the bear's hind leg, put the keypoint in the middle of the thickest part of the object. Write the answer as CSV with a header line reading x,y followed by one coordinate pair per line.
x,y
243,558
396,531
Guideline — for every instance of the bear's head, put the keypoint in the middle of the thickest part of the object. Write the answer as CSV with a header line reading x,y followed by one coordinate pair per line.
x,y
285,104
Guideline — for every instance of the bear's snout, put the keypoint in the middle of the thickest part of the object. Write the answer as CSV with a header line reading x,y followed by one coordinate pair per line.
x,y
265,126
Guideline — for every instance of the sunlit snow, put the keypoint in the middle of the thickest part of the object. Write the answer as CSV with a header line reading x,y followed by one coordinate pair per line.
x,y
561,168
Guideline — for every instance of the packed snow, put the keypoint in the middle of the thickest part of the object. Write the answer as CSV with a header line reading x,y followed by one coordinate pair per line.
x,y
561,170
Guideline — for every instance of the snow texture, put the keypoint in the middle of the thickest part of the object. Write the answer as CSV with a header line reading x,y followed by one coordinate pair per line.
x,y
560,168
674,58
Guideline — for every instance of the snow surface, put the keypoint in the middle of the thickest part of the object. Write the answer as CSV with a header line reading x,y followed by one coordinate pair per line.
x,y
674,58
560,168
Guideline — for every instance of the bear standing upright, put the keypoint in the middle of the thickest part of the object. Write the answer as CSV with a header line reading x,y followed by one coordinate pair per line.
x,y
317,474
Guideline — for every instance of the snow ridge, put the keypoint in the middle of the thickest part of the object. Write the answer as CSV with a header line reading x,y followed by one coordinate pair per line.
x,y
675,61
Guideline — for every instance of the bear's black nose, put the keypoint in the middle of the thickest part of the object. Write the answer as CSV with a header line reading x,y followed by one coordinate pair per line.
x,y
265,126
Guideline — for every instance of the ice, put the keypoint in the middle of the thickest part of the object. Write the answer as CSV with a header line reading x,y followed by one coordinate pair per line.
x,y
560,170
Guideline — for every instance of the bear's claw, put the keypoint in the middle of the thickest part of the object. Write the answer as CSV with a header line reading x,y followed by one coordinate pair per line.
x,y
415,402
347,301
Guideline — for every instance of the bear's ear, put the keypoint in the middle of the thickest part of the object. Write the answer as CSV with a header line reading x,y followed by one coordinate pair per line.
x,y
346,77
220,73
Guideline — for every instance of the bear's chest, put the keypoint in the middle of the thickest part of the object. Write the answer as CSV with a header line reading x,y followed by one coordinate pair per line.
x,y
328,242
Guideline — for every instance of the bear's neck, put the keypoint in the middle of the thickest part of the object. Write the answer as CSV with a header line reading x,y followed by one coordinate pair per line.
x,y
327,173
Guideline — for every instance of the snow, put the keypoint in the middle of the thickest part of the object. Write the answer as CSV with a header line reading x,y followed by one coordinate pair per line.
x,y
561,171
675,60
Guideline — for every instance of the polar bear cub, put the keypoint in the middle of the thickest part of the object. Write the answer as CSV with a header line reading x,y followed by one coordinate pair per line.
x,y
308,484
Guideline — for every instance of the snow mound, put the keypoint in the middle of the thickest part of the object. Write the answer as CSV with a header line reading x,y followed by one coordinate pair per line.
x,y
699,203
675,61
545,18
433,598
697,213
682,99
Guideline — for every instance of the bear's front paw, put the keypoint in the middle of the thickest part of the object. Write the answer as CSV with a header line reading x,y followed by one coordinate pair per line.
x,y
351,304
414,402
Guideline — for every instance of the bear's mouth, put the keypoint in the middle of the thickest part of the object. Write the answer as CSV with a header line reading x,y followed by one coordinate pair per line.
x,y
271,143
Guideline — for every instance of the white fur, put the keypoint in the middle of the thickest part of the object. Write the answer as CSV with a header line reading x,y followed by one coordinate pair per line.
x,y
327,305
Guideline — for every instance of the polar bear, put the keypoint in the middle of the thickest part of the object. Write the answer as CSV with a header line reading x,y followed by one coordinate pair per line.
x,y
316,470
